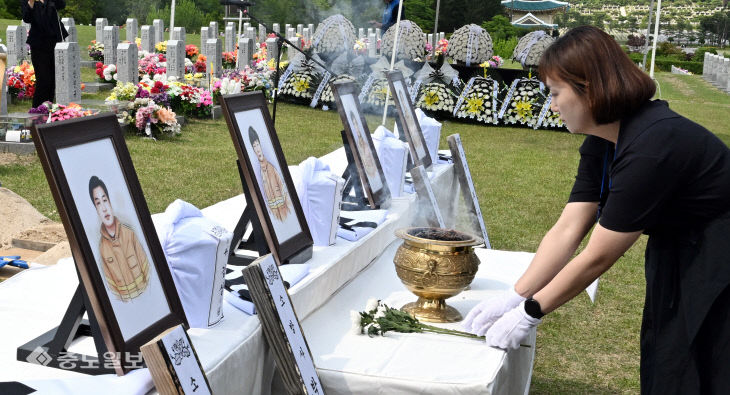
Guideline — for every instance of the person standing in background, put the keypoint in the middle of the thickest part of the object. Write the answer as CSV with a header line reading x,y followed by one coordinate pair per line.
x,y
45,31
390,15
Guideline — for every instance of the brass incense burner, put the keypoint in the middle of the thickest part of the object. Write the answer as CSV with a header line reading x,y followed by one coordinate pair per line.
x,y
435,264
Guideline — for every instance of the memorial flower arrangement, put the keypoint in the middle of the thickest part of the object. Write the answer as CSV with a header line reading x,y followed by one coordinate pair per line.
x,y
442,47
123,91
328,96
436,97
156,91
106,73
226,86
376,94
138,41
411,44
21,81
531,47
361,46
161,47
152,64
378,319
477,101
333,35
495,62
191,51
524,103
229,59
96,51
59,112
470,44
195,102
199,66
150,119
194,78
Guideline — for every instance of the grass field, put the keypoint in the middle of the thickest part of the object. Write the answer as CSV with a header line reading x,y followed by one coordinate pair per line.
x,y
523,178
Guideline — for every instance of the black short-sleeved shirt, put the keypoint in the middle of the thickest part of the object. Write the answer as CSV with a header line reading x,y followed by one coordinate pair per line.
x,y
666,173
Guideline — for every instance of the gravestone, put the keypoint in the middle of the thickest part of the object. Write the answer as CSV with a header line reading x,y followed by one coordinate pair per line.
x,y
250,33
291,33
73,35
178,33
67,72
110,40
705,64
306,34
4,97
230,34
372,45
311,28
287,26
360,33
294,39
275,27
442,36
130,31
245,52
272,48
101,23
213,30
128,63
722,78
15,36
371,31
68,22
204,36
300,29
246,25
430,40
147,37
176,59
713,68
159,25
262,33
214,49
377,33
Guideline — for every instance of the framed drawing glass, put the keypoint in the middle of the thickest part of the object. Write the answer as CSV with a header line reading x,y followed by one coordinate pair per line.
x,y
120,261
361,143
267,175
408,121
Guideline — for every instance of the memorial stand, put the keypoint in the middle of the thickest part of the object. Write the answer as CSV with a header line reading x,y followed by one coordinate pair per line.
x,y
51,348
358,201
256,241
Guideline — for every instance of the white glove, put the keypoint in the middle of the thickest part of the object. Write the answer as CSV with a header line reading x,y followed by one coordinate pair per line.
x,y
512,329
483,315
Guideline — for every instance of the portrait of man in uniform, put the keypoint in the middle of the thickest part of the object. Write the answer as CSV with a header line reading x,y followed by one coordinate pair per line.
x,y
272,186
410,123
363,149
124,262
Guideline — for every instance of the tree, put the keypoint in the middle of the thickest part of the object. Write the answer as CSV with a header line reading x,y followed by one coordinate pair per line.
x,y
10,9
457,13
500,28
422,12
82,11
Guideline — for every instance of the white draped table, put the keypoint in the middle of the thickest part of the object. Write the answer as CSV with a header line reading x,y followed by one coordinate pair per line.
x,y
234,354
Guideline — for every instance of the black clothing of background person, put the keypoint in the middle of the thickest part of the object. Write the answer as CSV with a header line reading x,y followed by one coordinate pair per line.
x,y
45,31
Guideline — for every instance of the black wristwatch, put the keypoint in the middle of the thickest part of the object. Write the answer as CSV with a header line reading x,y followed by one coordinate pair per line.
x,y
532,308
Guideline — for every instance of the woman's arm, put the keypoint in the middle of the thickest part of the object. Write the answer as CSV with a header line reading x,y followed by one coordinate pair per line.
x,y
557,247
604,248
27,7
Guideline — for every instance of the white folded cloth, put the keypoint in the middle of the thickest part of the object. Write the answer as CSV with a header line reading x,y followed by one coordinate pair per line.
x,y
291,273
319,192
431,129
393,155
357,232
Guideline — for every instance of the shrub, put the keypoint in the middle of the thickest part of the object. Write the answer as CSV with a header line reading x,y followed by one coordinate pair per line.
x,y
699,55
504,48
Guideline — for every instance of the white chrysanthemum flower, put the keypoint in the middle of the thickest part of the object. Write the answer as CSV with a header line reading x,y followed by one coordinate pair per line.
x,y
335,34
538,41
410,41
471,40
372,304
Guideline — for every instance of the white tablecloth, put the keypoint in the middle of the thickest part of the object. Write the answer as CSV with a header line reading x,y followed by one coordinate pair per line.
x,y
416,363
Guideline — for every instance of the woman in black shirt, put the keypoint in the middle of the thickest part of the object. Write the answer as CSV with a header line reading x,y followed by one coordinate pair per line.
x,y
45,31
643,169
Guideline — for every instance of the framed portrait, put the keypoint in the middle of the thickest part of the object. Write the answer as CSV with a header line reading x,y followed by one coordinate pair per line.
x,y
463,174
408,124
361,144
267,177
428,205
113,241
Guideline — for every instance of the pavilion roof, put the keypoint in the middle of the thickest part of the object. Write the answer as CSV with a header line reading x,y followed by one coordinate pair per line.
x,y
535,5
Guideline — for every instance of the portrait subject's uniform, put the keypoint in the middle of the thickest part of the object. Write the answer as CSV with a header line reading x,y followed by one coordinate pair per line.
x,y
274,191
124,260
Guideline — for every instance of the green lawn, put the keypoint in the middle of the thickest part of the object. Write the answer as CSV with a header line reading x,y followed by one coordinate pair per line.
x,y
523,178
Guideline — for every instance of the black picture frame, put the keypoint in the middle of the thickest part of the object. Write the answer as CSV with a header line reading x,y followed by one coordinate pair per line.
x,y
373,181
408,124
295,247
91,133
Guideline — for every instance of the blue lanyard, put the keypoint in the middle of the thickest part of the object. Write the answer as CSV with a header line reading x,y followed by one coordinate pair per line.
x,y
603,179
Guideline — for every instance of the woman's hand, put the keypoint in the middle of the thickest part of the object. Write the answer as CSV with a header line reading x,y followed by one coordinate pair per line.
x,y
488,311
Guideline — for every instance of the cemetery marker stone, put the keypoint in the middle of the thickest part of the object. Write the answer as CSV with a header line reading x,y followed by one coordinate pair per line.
x,y
128,63
67,72
130,30
111,39
101,23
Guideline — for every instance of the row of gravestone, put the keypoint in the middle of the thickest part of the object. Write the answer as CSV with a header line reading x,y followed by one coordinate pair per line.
x,y
716,70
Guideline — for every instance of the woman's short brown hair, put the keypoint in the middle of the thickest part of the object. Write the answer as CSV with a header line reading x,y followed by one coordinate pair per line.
x,y
593,63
